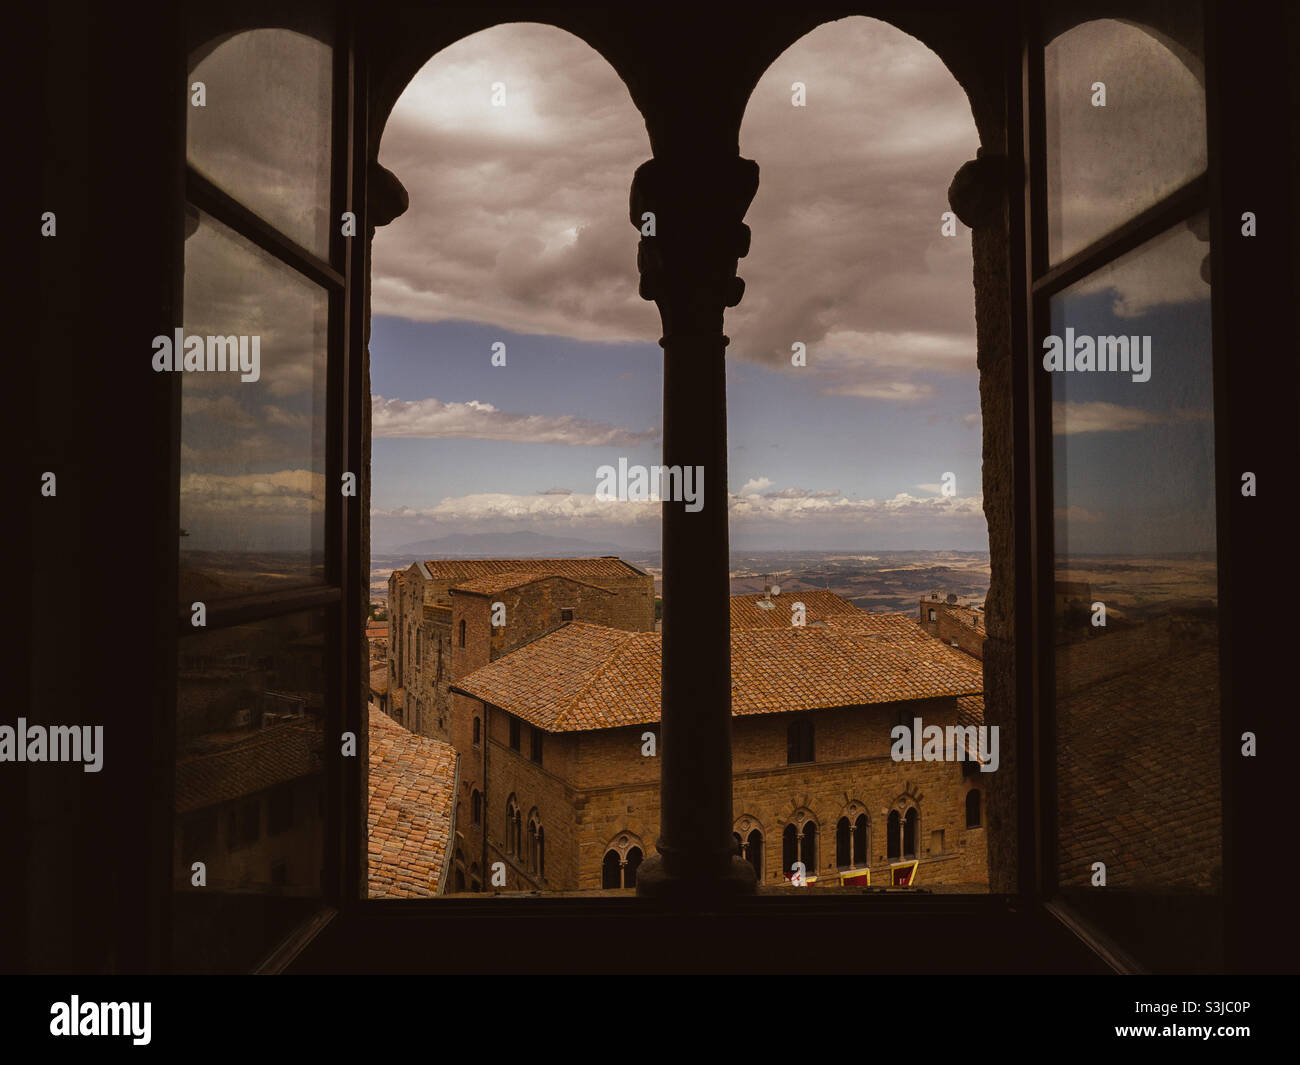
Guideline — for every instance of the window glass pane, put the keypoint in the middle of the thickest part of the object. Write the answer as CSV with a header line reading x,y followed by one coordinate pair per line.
x,y
1136,584
249,788
1108,162
263,131
252,451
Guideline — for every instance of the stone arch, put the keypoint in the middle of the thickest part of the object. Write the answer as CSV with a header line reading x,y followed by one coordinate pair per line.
x,y
623,842
407,50
692,120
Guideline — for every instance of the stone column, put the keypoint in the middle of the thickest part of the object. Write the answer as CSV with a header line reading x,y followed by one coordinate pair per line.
x,y
689,212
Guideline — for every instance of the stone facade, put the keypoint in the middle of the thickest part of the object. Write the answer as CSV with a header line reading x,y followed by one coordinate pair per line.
x,y
441,620
956,624
593,788
569,799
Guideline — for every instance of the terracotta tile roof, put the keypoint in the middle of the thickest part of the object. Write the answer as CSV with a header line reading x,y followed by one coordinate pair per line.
x,y
496,583
582,676
1139,780
379,678
377,628
747,614
970,711
895,627
247,763
410,810
462,569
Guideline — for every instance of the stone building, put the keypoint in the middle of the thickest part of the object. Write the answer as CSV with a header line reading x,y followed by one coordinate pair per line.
x,y
559,775
958,624
447,617
409,824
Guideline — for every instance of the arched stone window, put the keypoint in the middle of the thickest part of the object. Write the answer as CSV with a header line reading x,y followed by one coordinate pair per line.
x,y
462,632
535,842
852,838
622,859
476,807
513,821
893,837
911,826
478,731
749,843
973,808
799,843
808,847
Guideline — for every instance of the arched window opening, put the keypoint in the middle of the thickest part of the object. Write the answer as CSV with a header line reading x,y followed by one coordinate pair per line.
x,y
973,808
622,859
893,837
756,853
632,864
476,807
843,843
808,849
910,824
789,849
611,871
534,843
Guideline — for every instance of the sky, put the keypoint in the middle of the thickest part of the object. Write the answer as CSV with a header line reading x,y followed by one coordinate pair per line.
x,y
517,232
517,243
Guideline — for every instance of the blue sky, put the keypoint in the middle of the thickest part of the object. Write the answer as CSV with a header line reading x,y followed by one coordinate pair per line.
x,y
518,232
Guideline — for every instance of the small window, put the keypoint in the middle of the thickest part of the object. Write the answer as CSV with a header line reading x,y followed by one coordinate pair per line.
x,y
476,807
973,808
566,613
478,731
799,742
535,745
932,615
462,632
514,733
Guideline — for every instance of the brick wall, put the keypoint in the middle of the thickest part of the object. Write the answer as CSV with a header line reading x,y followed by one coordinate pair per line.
x,y
592,786
427,612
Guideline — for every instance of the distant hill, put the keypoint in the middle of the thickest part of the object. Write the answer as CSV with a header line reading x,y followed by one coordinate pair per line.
x,y
506,545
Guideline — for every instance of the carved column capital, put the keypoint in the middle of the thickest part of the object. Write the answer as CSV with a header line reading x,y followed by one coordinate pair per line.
x,y
692,238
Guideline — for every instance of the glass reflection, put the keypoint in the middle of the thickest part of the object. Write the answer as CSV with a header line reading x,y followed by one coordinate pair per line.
x,y
263,133
1136,579
249,787
252,451
1106,162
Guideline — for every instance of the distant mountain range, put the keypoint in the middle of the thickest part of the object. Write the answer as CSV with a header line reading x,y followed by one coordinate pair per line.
x,y
507,545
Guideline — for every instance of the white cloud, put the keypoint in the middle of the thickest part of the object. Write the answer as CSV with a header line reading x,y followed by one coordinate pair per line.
x,y
755,484
246,494
431,418
847,254
1098,417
